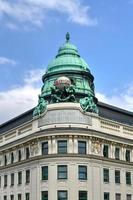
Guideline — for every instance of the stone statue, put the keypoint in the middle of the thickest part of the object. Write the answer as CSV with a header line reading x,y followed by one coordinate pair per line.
x,y
41,107
63,95
88,104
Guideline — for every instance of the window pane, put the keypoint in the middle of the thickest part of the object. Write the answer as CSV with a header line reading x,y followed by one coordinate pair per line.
x,y
117,153
44,148
19,177
45,173
62,195
106,196
82,195
81,147
28,176
19,155
44,195
11,197
12,179
5,180
105,151
12,158
5,197
27,196
27,153
5,160
62,146
117,196
128,178
62,172
129,197
19,196
127,155
117,176
82,172
106,175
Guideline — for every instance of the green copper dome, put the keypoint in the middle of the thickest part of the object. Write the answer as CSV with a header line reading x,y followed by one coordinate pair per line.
x,y
67,79
67,58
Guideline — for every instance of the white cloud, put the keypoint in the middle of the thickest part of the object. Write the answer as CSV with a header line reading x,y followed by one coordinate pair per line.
x,y
33,76
20,99
36,11
7,61
123,99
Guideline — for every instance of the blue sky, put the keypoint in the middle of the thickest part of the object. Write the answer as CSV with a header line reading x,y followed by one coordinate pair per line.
x,y
31,32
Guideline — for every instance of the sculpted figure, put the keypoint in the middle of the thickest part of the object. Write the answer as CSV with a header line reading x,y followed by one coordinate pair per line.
x,y
65,94
41,107
88,104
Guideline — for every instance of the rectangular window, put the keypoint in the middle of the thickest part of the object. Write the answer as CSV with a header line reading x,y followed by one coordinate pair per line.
x,y
11,197
128,178
5,160
5,180
127,155
12,158
128,197
44,148
27,196
117,153
12,179
106,151
81,147
106,195
19,178
82,172
62,172
45,173
106,175
27,176
82,195
117,176
19,197
44,195
5,197
19,155
117,196
62,146
62,195
27,153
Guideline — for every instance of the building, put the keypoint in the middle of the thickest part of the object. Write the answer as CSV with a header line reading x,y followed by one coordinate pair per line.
x,y
70,147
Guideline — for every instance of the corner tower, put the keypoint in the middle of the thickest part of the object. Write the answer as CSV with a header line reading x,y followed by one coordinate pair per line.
x,y
67,79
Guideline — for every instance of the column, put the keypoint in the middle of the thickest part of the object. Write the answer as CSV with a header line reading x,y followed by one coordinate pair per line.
x,y
75,144
70,144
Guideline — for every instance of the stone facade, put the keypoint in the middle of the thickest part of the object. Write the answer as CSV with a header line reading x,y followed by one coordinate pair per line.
x,y
26,141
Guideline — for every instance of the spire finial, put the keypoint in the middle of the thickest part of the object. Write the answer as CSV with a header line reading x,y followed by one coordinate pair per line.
x,y
67,37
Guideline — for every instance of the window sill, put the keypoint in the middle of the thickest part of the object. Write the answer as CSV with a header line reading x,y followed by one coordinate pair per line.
x,y
27,183
12,185
19,184
44,180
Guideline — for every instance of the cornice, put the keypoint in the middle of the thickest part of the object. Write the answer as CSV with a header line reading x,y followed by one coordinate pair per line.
x,y
59,156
